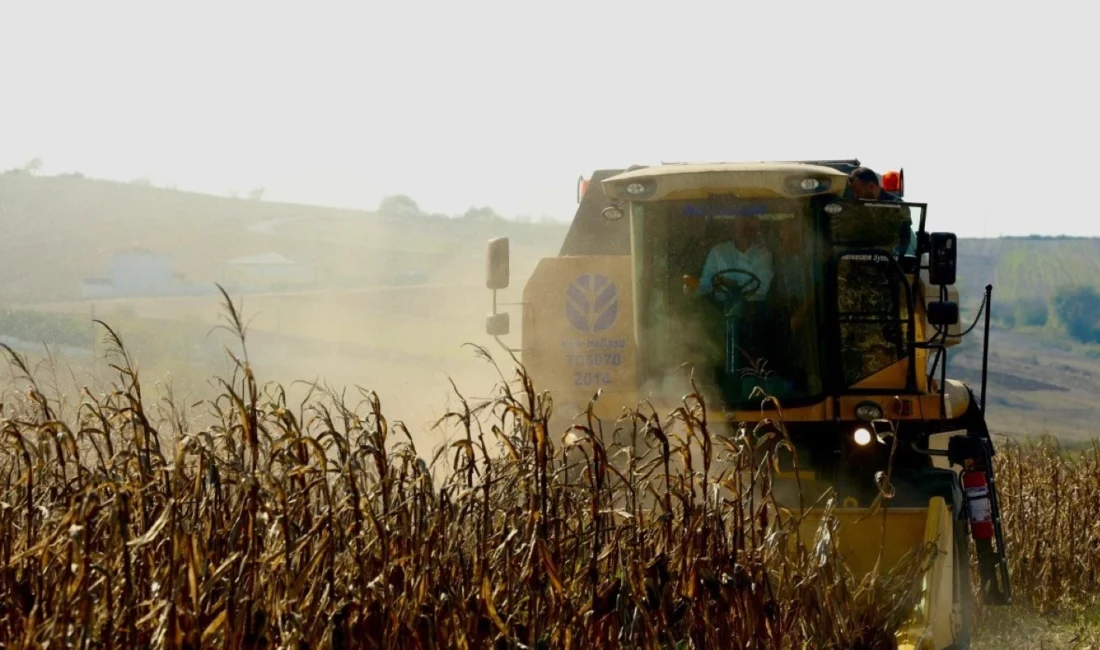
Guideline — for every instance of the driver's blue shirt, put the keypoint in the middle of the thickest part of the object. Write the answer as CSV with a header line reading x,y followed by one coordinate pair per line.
x,y
757,259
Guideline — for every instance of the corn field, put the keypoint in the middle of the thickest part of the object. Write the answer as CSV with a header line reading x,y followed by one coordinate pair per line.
x,y
321,525
1050,501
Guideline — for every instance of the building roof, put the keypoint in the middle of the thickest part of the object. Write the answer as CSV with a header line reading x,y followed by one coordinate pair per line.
x,y
138,250
263,259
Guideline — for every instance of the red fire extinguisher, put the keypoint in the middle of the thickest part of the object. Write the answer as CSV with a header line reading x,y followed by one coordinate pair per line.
x,y
977,501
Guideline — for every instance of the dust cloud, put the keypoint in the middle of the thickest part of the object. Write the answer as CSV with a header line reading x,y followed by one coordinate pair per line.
x,y
355,301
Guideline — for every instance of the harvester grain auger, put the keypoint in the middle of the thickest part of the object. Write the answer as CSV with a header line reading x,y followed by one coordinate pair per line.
x,y
770,276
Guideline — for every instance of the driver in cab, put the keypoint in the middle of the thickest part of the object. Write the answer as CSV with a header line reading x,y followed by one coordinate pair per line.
x,y
746,251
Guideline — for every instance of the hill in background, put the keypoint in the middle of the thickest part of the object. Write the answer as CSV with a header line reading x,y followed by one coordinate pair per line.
x,y
396,292
65,229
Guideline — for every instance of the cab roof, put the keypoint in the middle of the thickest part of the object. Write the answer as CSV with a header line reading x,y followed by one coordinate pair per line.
x,y
670,169
591,234
697,180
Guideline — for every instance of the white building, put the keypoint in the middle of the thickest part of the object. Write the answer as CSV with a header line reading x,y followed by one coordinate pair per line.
x,y
98,287
141,272
135,272
267,272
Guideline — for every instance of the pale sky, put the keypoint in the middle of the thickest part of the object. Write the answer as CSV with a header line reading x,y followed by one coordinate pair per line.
x,y
505,104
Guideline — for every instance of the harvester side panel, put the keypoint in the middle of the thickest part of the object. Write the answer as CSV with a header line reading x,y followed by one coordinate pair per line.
x,y
578,332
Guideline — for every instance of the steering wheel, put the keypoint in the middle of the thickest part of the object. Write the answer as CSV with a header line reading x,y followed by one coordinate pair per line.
x,y
727,290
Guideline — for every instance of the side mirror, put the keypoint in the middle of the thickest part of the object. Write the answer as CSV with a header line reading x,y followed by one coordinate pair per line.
x,y
943,313
497,324
942,256
496,276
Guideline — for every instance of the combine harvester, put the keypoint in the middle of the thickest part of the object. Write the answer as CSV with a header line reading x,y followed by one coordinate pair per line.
x,y
848,325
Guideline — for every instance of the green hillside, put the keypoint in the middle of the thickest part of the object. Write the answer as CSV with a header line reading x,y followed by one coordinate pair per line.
x,y
1028,268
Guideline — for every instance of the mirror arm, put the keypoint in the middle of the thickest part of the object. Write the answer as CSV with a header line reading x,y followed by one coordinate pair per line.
x,y
505,345
497,303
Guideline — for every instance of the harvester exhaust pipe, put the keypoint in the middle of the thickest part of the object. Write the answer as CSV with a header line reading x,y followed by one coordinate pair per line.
x,y
984,508
985,340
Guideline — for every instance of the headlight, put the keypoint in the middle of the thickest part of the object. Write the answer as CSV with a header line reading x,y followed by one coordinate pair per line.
x,y
800,184
637,189
862,437
868,411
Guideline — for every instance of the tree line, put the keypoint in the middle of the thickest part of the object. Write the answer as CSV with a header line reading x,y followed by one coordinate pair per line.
x,y
1075,308
400,206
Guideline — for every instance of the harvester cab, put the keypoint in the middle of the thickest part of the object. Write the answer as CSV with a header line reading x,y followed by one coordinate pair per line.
x,y
772,279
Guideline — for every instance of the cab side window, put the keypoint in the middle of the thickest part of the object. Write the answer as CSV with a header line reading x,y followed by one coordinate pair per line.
x,y
869,310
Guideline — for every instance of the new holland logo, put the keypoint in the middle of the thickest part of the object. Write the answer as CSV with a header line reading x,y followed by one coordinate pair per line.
x,y
591,303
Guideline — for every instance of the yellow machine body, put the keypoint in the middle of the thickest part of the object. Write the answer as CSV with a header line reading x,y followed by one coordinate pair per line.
x,y
578,338
580,334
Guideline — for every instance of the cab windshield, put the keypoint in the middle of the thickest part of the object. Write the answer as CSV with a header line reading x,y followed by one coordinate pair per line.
x,y
733,288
